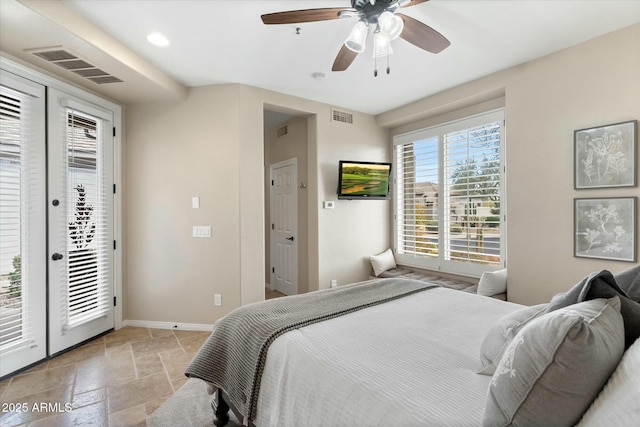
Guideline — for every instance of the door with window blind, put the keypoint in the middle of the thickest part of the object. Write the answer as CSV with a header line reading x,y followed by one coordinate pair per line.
x,y
80,205
22,223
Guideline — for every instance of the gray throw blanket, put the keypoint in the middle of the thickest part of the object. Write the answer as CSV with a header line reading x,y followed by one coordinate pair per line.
x,y
602,284
233,357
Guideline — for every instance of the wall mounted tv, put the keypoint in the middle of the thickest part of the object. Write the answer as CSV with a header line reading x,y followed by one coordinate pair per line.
x,y
363,180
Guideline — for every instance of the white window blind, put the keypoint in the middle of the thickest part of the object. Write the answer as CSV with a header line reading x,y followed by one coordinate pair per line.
x,y
448,197
87,231
21,220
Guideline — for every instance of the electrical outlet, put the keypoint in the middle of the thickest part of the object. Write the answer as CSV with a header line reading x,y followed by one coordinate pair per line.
x,y
217,298
334,283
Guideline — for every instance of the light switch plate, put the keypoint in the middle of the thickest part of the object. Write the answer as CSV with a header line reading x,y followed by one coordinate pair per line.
x,y
329,204
195,202
201,231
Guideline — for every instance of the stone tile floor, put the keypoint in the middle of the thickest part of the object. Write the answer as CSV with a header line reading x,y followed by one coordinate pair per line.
x,y
116,380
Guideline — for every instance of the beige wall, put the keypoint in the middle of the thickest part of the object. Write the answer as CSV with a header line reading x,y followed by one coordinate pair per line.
x,y
278,149
211,145
176,151
594,83
355,229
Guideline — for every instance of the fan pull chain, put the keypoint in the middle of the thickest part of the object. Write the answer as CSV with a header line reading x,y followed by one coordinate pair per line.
x,y
375,66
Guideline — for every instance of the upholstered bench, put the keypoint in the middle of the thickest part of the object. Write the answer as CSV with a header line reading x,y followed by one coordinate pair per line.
x,y
384,266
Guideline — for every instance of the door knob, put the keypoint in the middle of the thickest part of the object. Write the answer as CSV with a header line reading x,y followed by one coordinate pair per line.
x,y
290,238
56,256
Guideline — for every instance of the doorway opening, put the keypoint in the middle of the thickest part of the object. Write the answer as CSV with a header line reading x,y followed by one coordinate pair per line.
x,y
286,200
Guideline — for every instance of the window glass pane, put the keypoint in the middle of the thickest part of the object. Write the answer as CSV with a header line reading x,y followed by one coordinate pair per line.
x,y
473,178
418,192
86,238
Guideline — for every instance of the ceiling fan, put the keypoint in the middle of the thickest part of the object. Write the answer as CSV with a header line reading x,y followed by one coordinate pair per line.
x,y
380,16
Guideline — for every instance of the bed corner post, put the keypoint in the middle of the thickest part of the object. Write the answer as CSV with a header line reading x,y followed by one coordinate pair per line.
x,y
220,410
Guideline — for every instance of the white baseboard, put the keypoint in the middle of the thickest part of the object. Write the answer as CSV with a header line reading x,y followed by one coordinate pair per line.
x,y
168,325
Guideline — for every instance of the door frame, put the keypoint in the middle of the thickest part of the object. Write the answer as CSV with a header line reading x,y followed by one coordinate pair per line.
x,y
33,74
272,167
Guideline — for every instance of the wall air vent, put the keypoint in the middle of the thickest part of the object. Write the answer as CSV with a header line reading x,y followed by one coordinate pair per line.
x,y
71,62
282,131
341,116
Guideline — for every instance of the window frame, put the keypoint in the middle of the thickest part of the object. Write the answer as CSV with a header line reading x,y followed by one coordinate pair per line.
x,y
438,131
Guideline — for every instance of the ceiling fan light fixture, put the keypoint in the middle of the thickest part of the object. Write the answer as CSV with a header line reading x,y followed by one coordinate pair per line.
x,y
381,45
357,37
390,25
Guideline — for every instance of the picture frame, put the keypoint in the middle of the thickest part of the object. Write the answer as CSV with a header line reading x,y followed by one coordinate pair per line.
x,y
605,156
605,228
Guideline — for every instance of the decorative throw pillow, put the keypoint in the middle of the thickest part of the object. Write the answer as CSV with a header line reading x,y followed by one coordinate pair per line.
x,y
629,282
556,366
382,262
602,284
619,403
493,283
501,334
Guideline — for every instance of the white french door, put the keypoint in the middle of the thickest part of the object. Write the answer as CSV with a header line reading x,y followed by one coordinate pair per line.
x,y
22,223
80,206
284,226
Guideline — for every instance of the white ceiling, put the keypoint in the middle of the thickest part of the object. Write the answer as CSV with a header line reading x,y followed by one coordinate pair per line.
x,y
214,42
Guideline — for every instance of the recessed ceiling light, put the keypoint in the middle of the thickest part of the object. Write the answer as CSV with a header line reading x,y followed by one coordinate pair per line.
x,y
158,39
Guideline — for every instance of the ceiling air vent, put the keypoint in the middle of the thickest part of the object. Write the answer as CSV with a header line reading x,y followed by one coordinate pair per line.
x,y
282,131
341,116
71,62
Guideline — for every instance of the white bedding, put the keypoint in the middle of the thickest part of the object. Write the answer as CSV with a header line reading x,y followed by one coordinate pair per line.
x,y
409,362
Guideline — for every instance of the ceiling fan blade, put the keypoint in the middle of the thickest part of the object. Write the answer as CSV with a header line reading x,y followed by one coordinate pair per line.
x,y
422,35
305,15
344,59
414,2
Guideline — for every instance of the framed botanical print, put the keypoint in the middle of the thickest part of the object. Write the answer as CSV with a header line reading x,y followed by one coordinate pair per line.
x,y
605,156
605,228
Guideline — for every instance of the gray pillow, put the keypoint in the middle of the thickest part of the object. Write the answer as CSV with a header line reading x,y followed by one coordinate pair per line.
x,y
602,284
629,282
501,334
556,366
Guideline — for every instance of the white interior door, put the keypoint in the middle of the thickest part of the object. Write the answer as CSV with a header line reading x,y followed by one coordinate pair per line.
x,y
22,223
284,220
81,242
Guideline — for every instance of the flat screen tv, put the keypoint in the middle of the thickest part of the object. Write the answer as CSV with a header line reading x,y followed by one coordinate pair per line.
x,y
363,180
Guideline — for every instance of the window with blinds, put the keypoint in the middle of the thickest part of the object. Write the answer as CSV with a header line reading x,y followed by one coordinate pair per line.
x,y
448,196
87,230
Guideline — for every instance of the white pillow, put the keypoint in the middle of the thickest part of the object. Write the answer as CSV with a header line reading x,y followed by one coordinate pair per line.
x,y
619,403
382,262
493,283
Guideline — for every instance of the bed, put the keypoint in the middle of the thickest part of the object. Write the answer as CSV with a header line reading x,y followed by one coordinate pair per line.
x,y
414,359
